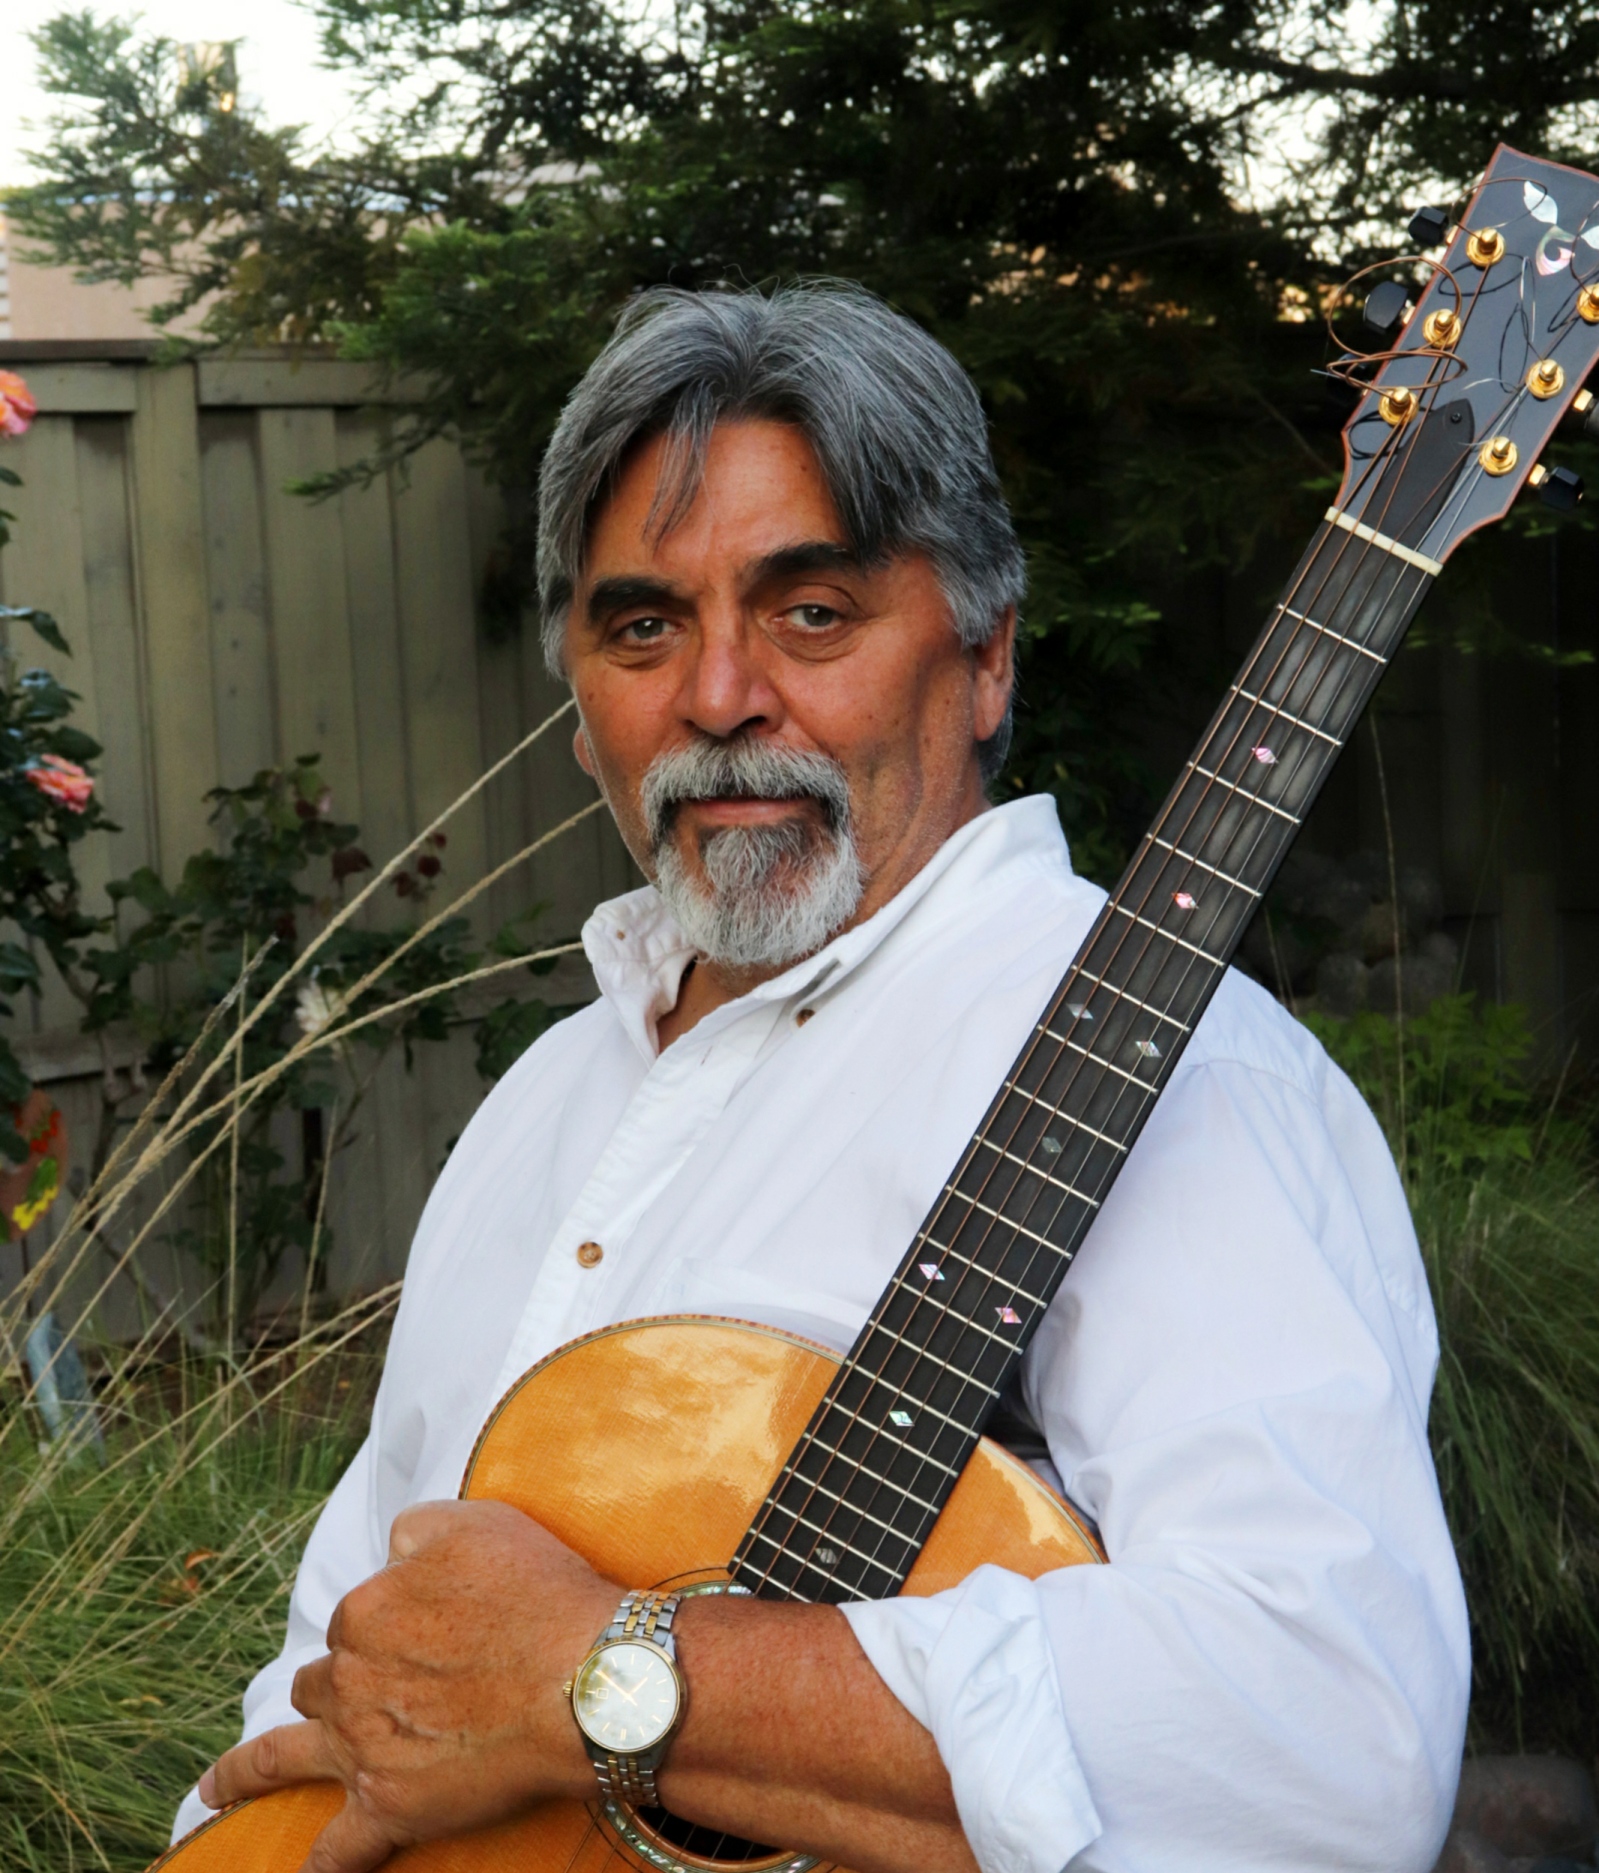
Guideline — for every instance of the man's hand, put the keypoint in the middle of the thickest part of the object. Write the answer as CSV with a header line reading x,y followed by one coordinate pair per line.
x,y
439,1704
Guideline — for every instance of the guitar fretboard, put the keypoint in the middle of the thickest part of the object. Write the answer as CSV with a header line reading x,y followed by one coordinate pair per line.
x,y
851,1509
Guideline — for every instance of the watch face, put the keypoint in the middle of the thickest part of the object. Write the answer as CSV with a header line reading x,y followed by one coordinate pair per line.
x,y
625,1696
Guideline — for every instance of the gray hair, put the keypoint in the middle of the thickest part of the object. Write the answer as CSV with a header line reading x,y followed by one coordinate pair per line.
x,y
896,424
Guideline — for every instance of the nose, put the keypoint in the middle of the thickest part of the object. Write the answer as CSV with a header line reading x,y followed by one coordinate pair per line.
x,y
726,691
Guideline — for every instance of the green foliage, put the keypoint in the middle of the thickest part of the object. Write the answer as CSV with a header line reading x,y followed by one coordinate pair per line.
x,y
1506,1204
1451,1095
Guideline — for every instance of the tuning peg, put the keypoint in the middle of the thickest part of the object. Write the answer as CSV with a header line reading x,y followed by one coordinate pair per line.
x,y
1559,488
1429,227
1583,416
1385,308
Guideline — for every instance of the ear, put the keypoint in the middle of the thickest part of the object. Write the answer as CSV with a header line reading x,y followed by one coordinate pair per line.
x,y
584,753
994,677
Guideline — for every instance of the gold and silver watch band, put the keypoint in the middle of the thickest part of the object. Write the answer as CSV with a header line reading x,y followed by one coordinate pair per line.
x,y
646,1615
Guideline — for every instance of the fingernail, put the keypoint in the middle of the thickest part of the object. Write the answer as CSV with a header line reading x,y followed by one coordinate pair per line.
x,y
208,1788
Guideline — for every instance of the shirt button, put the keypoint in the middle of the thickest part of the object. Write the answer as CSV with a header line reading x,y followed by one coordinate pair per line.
x,y
590,1254
803,1016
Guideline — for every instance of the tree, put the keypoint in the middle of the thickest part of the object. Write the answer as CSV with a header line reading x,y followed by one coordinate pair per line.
x,y
1120,216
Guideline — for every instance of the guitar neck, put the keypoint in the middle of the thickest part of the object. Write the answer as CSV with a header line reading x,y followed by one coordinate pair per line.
x,y
858,1497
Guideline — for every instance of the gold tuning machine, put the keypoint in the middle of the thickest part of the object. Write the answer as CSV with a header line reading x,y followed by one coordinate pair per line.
x,y
1546,379
1442,328
1485,247
1498,455
1397,405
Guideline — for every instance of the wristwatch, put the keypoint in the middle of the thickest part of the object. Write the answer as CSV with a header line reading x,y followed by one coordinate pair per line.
x,y
628,1697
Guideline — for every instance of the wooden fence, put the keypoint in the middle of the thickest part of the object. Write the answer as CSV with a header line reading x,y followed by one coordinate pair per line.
x,y
220,625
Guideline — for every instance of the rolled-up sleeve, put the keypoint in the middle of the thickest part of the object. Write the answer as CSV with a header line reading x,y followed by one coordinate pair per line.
x,y
1272,1672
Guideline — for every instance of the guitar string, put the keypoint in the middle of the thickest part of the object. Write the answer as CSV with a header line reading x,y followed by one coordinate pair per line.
x,y
992,1281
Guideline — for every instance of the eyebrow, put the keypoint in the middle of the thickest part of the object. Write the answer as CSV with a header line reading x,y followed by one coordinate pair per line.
x,y
621,593
627,590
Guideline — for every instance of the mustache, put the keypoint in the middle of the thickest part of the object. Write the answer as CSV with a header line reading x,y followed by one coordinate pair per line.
x,y
741,769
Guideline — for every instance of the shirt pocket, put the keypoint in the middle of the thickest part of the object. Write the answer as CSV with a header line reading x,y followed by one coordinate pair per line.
x,y
695,1286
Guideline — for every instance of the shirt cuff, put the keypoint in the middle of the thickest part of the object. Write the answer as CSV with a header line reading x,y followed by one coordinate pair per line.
x,y
974,1666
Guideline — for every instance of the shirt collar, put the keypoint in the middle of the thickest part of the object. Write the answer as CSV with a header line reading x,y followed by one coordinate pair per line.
x,y
639,954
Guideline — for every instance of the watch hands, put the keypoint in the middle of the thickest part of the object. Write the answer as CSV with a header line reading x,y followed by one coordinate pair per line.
x,y
606,1678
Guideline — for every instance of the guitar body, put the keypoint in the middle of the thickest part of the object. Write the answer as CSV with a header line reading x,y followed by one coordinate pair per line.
x,y
649,1447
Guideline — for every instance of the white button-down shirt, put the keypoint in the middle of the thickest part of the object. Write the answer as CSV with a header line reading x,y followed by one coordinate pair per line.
x,y
1233,1382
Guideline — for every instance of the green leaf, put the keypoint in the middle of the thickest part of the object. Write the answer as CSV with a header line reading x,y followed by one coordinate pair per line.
x,y
41,621
14,1088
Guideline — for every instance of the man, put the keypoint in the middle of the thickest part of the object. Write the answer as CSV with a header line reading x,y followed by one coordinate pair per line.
x,y
778,574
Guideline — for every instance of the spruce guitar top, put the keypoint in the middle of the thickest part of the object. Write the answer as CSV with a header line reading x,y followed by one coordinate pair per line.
x,y
725,1457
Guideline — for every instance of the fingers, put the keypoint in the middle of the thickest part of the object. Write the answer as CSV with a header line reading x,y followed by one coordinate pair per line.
x,y
354,1841
312,1684
294,1752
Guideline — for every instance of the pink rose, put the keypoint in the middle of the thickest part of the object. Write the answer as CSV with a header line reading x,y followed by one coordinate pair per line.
x,y
17,407
62,781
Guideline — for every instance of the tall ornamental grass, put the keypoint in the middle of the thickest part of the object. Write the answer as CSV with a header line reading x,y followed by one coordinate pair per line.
x,y
1503,1187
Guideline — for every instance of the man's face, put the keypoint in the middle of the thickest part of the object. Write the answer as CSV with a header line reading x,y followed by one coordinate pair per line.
x,y
744,676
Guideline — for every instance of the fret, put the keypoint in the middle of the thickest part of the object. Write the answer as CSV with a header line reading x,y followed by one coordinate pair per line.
x,y
966,1324
826,1534
1284,715
1077,1124
882,1483
1338,637
1254,799
927,1292
1121,910
959,1372
831,1537
1099,1060
811,1439
1226,878
1094,1053
921,1405
1036,1170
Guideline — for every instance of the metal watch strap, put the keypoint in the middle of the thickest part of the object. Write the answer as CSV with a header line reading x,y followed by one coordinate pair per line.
x,y
643,1615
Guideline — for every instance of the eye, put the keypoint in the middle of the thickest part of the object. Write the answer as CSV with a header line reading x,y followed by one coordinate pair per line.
x,y
812,617
644,630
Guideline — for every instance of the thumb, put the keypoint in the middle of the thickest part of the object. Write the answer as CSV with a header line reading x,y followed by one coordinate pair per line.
x,y
352,1842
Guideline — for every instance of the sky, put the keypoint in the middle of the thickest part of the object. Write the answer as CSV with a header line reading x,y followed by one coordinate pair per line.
x,y
277,62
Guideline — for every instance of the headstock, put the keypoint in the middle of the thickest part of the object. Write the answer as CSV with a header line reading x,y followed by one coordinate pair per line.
x,y
1495,351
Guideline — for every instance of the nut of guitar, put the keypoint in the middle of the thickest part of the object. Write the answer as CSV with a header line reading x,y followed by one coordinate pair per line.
x,y
649,1447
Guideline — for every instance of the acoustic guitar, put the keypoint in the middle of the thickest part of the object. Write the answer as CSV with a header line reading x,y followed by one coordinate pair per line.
x,y
724,1457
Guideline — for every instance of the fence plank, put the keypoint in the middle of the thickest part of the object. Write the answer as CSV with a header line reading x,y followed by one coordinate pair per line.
x,y
438,652
112,622
174,610
310,619
374,613
236,574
